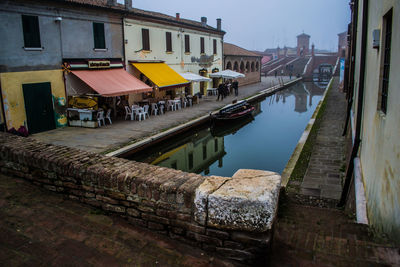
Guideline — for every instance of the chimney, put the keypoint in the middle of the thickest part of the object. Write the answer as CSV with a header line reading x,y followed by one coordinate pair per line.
x,y
219,24
128,4
204,21
111,2
178,16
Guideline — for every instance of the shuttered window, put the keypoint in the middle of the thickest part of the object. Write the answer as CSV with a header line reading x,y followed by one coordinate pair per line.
x,y
145,39
168,40
201,45
387,35
187,43
214,47
98,35
30,27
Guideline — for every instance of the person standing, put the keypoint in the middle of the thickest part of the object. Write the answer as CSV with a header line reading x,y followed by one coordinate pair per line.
x,y
221,91
235,86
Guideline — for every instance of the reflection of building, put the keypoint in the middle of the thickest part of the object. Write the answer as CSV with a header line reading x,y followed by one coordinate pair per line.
x,y
193,154
301,91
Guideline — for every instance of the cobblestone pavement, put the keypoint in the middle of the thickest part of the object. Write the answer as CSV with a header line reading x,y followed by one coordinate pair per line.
x,y
323,177
312,236
41,228
121,131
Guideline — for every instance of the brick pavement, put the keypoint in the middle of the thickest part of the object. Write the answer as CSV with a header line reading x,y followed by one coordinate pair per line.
x,y
324,174
42,228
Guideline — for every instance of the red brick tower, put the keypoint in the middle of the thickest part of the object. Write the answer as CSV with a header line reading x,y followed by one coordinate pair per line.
x,y
303,45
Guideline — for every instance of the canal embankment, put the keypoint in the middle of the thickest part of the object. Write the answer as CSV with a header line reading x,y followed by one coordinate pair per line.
x,y
125,132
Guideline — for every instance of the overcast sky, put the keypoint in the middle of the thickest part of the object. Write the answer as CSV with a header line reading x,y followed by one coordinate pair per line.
x,y
261,24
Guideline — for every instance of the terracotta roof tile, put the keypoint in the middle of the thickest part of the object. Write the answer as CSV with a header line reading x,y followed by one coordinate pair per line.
x,y
234,50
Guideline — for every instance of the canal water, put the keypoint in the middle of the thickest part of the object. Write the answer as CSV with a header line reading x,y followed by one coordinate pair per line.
x,y
263,143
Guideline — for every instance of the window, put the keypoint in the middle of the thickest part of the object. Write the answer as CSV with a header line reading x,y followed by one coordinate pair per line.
x,y
190,160
387,38
204,152
145,40
214,47
201,45
187,43
168,40
30,27
98,34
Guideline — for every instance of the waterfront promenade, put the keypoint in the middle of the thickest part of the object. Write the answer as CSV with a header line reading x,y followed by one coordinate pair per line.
x,y
121,132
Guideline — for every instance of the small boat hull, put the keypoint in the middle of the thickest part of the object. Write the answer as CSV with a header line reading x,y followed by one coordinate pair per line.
x,y
234,112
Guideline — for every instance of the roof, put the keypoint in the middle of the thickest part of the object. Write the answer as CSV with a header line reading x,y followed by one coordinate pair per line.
x,y
234,50
303,35
145,13
342,33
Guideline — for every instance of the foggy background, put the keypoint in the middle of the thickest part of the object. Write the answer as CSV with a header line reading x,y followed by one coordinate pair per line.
x,y
261,24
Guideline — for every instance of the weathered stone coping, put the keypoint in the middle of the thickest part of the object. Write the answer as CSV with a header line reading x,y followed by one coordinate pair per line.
x,y
230,216
294,159
190,124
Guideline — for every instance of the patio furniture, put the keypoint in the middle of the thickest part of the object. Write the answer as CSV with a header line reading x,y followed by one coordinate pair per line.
x,y
154,109
146,110
140,114
108,116
134,110
100,117
128,112
177,103
171,105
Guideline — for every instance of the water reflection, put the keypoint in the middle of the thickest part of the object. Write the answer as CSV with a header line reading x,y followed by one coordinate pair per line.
x,y
265,142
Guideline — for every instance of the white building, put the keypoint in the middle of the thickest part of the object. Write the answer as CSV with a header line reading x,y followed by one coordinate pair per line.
x,y
184,45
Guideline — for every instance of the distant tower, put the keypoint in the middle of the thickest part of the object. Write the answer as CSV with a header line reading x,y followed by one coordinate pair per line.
x,y
278,51
342,44
285,50
312,50
303,45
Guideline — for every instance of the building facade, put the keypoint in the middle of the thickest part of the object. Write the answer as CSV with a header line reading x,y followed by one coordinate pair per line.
x,y
375,125
44,35
183,45
243,61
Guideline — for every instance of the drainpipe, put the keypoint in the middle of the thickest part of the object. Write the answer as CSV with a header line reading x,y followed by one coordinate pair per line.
x,y
357,140
350,83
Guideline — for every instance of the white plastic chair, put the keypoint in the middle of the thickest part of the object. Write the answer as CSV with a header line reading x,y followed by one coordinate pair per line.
x,y
100,117
171,105
139,114
177,103
108,116
134,110
146,110
128,112
154,109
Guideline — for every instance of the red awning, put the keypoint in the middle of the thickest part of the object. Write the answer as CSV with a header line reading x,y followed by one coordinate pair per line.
x,y
112,82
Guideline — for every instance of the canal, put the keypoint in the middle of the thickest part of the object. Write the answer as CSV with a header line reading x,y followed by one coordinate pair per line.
x,y
264,143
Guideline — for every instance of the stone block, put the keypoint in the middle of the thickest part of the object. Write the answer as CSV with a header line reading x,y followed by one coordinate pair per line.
x,y
155,218
114,208
133,212
204,239
217,233
247,202
155,226
209,185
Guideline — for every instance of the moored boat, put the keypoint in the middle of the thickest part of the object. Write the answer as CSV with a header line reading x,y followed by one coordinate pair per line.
x,y
235,111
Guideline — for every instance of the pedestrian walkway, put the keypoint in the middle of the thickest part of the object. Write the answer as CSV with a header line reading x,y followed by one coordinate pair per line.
x,y
323,177
306,235
122,132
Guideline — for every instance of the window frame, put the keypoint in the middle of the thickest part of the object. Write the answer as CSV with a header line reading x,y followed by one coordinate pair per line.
x,y
202,45
31,32
168,42
145,39
187,44
215,46
385,61
99,36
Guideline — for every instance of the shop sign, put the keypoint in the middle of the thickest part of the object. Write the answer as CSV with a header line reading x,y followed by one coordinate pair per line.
x,y
99,64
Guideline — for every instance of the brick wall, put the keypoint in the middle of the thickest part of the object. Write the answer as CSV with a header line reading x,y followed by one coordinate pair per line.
x,y
156,198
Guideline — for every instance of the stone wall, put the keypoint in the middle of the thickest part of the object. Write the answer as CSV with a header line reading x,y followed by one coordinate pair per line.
x,y
230,216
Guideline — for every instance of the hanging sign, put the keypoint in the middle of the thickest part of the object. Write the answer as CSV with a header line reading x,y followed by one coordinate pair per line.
x,y
98,64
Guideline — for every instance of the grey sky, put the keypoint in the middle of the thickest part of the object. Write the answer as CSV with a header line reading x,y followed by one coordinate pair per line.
x,y
261,24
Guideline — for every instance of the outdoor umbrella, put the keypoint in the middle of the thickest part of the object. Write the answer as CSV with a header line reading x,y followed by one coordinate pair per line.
x,y
194,77
228,74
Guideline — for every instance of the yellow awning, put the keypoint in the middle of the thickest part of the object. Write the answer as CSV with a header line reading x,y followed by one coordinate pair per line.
x,y
161,74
